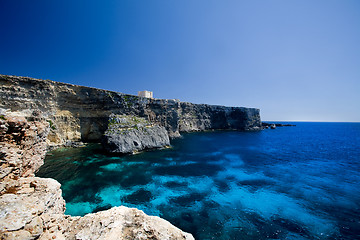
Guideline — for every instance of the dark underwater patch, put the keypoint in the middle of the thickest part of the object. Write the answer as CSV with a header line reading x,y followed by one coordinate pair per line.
x,y
135,180
255,184
102,208
196,169
187,216
188,199
138,197
291,226
223,186
174,184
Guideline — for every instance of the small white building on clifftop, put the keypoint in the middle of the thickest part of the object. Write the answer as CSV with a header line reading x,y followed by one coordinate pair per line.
x,y
146,94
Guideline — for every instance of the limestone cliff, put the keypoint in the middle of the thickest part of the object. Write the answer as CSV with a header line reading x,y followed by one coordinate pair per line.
x,y
33,208
130,134
81,113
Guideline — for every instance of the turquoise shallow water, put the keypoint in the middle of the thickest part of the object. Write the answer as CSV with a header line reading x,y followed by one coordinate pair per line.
x,y
298,182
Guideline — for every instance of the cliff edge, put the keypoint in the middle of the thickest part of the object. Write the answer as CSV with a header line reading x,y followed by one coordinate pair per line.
x,y
78,113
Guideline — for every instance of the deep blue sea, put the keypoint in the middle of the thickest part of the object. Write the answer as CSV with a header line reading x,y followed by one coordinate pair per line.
x,y
298,182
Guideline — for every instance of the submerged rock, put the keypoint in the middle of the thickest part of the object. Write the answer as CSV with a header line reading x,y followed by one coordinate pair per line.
x,y
130,134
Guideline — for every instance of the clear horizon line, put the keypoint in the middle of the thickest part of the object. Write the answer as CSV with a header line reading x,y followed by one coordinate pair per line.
x,y
310,121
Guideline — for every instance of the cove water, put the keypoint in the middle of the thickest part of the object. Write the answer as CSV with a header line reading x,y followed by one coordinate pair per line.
x,y
298,182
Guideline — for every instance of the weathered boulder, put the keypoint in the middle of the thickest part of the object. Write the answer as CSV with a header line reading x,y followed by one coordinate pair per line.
x,y
123,223
129,134
28,206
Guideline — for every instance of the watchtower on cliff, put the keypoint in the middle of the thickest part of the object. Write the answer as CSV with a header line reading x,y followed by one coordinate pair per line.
x,y
147,94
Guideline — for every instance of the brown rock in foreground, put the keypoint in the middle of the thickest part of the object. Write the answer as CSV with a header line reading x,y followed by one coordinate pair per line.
x,y
22,146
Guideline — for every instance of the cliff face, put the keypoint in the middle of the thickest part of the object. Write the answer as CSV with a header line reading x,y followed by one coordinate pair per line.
x,y
130,134
33,208
81,113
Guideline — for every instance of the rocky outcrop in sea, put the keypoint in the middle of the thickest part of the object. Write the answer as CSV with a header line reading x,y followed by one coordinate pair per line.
x,y
266,125
131,134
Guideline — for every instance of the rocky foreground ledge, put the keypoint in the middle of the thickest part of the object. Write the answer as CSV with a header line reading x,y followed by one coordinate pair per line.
x,y
33,208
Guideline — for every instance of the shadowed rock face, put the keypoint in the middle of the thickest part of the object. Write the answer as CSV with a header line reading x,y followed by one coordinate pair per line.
x,y
130,134
82,113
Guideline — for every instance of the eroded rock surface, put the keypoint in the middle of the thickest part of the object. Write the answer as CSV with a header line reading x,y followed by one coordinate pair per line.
x,y
130,134
28,206
22,146
123,223
33,208
82,113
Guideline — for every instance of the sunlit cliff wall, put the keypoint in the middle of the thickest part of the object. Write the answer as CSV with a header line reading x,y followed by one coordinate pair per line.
x,y
81,113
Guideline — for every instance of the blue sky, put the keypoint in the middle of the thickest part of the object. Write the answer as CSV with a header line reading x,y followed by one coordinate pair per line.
x,y
295,60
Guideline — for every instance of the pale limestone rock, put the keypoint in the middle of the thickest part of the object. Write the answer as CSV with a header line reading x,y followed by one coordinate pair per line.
x,y
35,227
17,235
21,210
123,223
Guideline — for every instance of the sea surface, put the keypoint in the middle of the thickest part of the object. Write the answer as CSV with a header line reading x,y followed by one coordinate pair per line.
x,y
298,182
